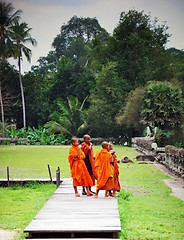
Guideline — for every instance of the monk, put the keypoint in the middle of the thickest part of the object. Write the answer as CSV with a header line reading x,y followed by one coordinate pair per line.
x,y
104,168
117,186
79,172
87,148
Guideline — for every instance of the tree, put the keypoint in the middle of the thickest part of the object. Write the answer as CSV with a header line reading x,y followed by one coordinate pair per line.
x,y
130,113
75,37
139,44
106,101
71,120
162,105
21,36
70,79
38,106
177,65
138,47
10,92
7,19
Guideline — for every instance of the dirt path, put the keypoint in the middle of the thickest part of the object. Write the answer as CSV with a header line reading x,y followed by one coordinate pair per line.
x,y
7,234
176,183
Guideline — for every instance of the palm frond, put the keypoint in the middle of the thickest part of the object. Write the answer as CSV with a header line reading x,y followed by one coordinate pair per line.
x,y
71,117
54,127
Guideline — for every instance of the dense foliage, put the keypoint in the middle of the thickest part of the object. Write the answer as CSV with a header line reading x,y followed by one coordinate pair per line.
x,y
162,105
71,120
121,75
39,136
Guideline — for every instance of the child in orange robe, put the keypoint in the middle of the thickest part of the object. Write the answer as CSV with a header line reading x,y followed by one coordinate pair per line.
x,y
103,165
117,186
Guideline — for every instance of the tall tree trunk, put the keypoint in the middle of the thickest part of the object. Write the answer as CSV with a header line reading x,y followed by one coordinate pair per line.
x,y
2,106
2,111
22,93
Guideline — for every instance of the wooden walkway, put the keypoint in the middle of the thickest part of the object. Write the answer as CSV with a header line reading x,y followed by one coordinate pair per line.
x,y
66,216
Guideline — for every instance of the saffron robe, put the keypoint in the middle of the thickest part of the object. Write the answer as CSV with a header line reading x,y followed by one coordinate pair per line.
x,y
102,164
117,186
89,160
79,172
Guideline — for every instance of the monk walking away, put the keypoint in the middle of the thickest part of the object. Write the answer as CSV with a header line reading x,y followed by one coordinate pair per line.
x,y
87,148
79,172
117,186
104,168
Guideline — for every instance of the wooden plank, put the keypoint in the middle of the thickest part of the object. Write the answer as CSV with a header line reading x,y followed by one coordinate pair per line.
x,y
50,174
66,229
8,176
81,224
75,239
68,214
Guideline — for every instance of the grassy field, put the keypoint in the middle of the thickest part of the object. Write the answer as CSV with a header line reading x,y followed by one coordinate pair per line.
x,y
147,210
32,161
19,205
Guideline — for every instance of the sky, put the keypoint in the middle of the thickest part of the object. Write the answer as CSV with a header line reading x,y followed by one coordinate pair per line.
x,y
46,17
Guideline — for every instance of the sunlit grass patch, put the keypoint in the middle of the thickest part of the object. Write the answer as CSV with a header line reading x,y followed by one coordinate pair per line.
x,y
19,205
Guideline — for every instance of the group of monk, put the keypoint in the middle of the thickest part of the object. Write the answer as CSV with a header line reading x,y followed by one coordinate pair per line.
x,y
87,169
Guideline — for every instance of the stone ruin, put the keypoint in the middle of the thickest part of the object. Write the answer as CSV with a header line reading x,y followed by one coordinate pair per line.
x,y
170,156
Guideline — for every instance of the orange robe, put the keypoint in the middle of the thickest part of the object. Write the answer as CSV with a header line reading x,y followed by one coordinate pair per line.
x,y
79,172
117,186
102,164
89,160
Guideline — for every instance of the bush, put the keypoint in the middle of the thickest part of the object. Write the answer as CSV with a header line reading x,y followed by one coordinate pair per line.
x,y
35,136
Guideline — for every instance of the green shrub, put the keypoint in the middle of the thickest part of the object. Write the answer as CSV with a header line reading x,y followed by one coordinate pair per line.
x,y
35,136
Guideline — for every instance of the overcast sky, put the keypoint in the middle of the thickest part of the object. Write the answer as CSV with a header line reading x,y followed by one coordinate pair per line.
x,y
46,17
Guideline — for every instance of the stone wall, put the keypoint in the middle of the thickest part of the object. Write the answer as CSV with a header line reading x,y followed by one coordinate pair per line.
x,y
174,159
97,141
170,156
143,145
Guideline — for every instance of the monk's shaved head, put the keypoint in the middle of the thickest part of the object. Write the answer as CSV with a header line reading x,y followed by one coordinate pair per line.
x,y
74,139
110,145
86,136
105,144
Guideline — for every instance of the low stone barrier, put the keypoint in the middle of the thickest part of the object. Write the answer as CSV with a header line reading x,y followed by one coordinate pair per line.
x,y
13,140
97,141
174,159
170,156
143,145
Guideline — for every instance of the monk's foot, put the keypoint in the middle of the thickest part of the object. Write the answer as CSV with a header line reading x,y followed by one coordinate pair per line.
x,y
93,192
84,193
96,195
90,194
106,196
115,195
77,195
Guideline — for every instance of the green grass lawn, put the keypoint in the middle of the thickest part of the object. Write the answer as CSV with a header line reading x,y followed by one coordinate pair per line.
x,y
147,210
32,161
19,205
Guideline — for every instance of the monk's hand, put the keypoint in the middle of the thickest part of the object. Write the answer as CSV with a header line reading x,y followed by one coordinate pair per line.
x,y
75,158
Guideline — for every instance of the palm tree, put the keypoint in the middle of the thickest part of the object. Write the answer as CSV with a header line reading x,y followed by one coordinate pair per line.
x,y
71,120
21,36
7,19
